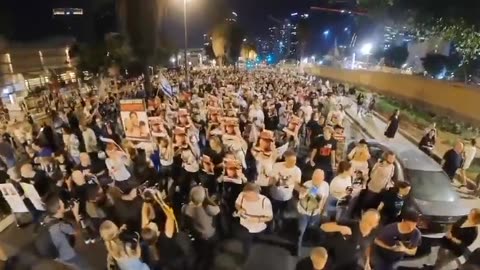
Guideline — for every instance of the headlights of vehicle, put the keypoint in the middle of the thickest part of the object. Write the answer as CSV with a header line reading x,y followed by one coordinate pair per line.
x,y
423,223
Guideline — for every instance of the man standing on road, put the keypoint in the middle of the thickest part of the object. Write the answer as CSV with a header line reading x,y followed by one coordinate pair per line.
x,y
380,179
453,160
352,252
396,240
323,154
286,177
312,198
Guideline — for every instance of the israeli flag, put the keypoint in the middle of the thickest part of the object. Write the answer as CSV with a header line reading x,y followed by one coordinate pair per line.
x,y
165,86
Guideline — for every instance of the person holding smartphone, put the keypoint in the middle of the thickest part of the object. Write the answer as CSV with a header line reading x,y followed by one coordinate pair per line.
x,y
396,240
313,195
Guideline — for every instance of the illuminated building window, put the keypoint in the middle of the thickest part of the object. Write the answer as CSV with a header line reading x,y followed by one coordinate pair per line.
x,y
67,11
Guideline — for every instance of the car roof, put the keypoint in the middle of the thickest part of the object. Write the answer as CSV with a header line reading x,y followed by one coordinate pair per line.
x,y
411,158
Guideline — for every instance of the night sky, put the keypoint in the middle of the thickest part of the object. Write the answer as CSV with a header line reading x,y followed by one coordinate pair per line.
x,y
252,15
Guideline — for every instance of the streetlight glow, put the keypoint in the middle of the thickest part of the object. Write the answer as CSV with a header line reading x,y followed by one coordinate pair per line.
x,y
172,59
366,49
326,32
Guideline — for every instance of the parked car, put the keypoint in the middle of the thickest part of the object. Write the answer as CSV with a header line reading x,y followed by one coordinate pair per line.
x,y
432,194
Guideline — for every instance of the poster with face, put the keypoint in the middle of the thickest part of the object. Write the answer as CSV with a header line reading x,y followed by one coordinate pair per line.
x,y
293,126
154,104
207,165
230,125
180,138
264,144
13,199
183,118
233,169
158,127
214,115
134,119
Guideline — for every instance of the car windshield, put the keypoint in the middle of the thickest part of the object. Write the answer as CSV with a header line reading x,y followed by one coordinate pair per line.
x,y
431,186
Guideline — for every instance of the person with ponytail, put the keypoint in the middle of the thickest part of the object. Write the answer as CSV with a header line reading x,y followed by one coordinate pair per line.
x,y
123,248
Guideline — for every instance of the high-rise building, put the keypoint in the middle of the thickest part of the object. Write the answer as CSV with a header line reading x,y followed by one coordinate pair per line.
x,y
87,20
397,36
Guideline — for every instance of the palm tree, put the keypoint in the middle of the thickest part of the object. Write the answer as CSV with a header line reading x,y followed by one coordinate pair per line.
x,y
220,42
235,40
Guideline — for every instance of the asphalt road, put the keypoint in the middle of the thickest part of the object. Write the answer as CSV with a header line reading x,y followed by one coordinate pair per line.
x,y
264,255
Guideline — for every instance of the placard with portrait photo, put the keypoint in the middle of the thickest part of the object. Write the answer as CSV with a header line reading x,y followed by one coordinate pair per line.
x,y
134,119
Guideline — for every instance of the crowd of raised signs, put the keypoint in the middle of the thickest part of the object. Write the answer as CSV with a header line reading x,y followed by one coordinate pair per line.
x,y
195,178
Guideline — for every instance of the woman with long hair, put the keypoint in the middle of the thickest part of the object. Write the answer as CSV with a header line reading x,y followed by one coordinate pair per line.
x,y
123,250
165,149
359,157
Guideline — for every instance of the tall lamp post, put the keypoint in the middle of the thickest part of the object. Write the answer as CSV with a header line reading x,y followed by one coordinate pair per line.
x,y
366,49
187,77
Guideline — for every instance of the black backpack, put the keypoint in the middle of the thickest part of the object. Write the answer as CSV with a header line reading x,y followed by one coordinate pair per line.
x,y
44,245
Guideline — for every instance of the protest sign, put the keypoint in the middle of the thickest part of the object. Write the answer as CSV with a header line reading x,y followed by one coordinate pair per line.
x,y
135,120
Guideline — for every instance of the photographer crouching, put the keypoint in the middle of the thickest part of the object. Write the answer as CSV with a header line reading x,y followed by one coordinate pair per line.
x,y
56,237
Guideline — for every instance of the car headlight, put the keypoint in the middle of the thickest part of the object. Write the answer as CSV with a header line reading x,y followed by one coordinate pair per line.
x,y
423,223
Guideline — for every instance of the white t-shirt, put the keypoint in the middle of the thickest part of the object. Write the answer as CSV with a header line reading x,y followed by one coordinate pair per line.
x,y
260,208
264,171
117,170
381,177
339,185
287,178
313,201
308,110
470,152
258,114
189,161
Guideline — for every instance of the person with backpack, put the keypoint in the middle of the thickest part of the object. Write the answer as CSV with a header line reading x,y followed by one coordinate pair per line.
x,y
254,211
56,237
200,214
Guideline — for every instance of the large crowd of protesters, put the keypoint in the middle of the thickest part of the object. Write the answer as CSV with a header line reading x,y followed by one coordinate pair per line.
x,y
238,157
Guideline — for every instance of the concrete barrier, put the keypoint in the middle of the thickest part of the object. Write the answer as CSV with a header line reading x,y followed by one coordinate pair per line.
x,y
454,99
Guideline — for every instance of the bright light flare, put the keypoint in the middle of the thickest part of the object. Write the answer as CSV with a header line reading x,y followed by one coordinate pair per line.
x,y
366,48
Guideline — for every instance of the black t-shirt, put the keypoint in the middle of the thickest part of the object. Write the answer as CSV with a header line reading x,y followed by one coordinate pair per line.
x,y
42,183
81,193
467,235
315,129
348,252
216,157
172,255
453,162
97,167
324,150
392,204
474,258
129,213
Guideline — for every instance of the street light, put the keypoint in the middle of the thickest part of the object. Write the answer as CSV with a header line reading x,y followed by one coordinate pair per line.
x,y
326,32
366,49
187,78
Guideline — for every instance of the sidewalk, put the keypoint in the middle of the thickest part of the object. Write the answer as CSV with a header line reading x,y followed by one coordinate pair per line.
x,y
374,127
